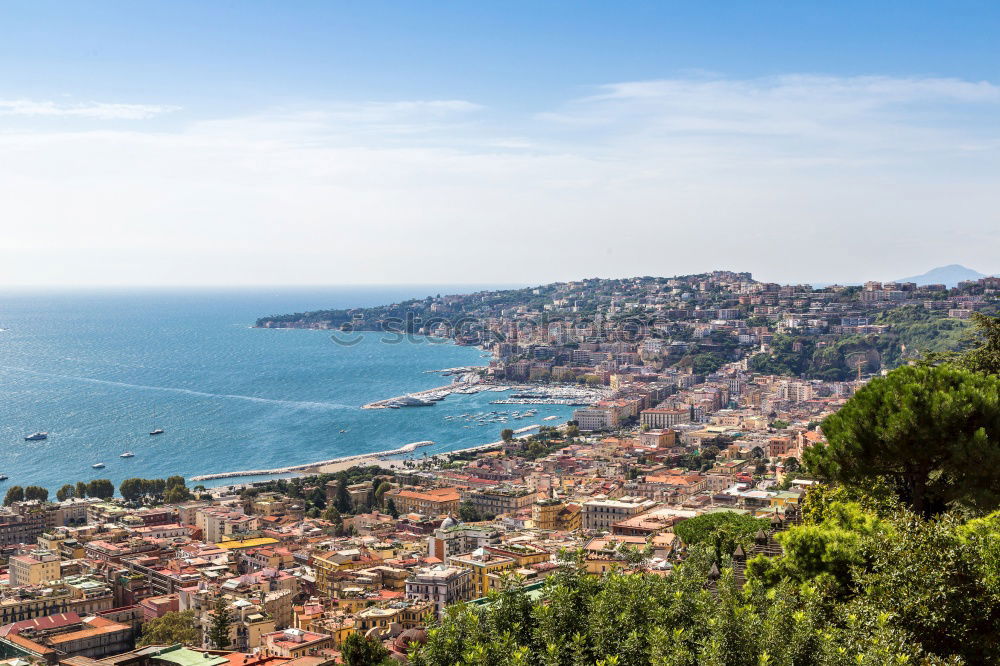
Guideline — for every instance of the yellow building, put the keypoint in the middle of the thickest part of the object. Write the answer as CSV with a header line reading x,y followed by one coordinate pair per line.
x,y
545,514
330,562
241,544
429,501
482,562
523,554
41,566
409,614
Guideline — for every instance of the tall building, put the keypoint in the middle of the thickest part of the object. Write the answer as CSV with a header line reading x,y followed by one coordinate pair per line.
x,y
36,568
441,585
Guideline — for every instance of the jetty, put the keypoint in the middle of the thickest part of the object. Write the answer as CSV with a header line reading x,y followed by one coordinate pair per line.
x,y
426,397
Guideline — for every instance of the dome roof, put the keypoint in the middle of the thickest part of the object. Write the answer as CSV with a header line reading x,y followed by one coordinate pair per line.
x,y
415,635
448,522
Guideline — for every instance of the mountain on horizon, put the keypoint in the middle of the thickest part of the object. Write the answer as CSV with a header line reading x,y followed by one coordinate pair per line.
x,y
949,275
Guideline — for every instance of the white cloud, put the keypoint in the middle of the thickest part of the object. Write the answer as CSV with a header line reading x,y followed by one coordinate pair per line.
x,y
94,110
794,177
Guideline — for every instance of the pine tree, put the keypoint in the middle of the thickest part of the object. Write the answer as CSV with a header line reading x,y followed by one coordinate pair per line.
x,y
933,433
218,633
14,494
343,499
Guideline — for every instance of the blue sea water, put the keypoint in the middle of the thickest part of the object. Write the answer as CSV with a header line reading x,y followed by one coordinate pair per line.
x,y
93,368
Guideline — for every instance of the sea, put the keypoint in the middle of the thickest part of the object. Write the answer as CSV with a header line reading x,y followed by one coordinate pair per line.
x,y
99,369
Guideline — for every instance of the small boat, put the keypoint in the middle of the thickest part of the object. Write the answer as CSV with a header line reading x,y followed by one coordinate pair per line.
x,y
127,454
98,465
155,430
344,430
3,477
36,436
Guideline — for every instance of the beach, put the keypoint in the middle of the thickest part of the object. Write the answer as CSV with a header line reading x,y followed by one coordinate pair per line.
x,y
382,458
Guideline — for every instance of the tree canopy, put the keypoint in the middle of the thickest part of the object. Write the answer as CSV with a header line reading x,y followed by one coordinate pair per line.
x,y
358,650
173,627
932,433
722,530
14,494
219,634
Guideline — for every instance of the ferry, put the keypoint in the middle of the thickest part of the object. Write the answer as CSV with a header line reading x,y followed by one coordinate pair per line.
x,y
98,465
35,436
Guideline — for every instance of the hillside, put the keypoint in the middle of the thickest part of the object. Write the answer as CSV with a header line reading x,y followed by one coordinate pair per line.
x,y
949,276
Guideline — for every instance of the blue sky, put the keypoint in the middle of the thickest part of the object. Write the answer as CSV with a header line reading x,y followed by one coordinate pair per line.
x,y
304,143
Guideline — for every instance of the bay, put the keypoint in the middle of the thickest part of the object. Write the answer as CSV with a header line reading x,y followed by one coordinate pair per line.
x,y
98,369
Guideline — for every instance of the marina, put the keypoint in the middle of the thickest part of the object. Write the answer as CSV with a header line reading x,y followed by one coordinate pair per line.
x,y
521,394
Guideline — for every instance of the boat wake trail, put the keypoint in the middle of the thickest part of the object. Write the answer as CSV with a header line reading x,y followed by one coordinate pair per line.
x,y
294,404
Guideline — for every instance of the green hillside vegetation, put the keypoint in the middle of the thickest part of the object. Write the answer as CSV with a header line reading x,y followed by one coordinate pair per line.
x,y
914,332
896,561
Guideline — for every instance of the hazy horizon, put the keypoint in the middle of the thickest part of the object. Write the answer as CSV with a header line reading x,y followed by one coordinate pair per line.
x,y
182,144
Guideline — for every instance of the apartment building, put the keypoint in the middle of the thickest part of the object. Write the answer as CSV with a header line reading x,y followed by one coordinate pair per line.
x,y
430,501
482,562
500,500
659,418
35,568
601,514
453,538
591,419
441,585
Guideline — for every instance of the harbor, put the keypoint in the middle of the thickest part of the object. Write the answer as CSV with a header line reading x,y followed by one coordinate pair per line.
x,y
521,394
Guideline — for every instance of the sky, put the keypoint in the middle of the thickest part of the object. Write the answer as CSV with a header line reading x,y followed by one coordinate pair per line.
x,y
309,143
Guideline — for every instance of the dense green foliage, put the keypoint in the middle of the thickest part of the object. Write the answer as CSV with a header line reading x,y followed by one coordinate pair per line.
x,y
172,628
219,634
981,347
913,331
931,433
855,586
983,355
311,489
97,488
14,494
722,530
100,488
36,493
897,564
172,490
360,651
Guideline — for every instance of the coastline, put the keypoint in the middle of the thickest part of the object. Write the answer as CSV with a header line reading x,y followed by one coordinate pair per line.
x,y
345,462
467,381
